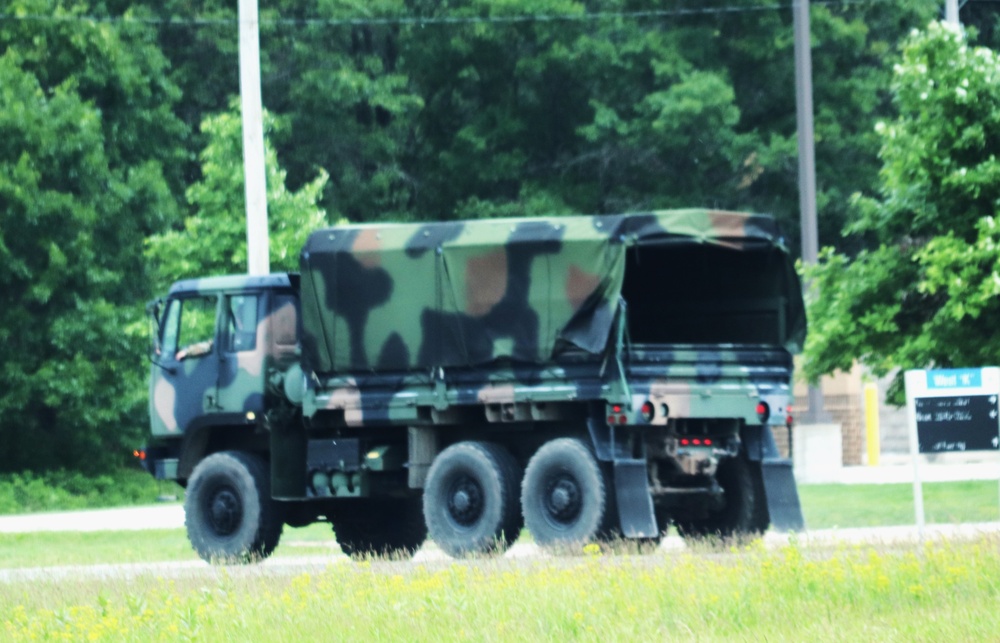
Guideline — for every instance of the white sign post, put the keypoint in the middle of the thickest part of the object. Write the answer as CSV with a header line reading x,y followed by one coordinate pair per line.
x,y
950,410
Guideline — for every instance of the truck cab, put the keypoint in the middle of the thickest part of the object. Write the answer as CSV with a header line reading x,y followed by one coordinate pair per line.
x,y
222,351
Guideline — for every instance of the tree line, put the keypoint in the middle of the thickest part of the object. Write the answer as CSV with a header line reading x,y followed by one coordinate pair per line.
x,y
120,157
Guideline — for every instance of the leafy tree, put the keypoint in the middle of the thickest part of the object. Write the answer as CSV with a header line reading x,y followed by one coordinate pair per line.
x,y
851,44
486,112
926,295
89,151
213,238
350,106
599,112
68,374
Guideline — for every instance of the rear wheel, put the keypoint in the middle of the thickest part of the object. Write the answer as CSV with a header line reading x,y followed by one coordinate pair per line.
x,y
565,495
738,515
471,500
392,527
229,514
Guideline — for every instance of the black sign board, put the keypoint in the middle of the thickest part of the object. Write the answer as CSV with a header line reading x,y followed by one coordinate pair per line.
x,y
957,423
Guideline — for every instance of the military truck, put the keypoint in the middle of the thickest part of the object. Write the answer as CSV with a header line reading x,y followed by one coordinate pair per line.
x,y
584,377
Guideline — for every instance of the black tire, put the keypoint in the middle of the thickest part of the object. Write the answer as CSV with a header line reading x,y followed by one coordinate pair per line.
x,y
229,514
471,500
565,495
390,528
738,515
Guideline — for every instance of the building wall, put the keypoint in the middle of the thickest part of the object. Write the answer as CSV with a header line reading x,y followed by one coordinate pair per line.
x,y
843,401
894,434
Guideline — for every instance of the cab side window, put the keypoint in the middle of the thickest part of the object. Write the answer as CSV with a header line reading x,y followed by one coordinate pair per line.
x,y
241,323
169,328
196,330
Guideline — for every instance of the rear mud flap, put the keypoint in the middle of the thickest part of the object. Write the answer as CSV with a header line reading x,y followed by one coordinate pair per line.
x,y
635,505
782,495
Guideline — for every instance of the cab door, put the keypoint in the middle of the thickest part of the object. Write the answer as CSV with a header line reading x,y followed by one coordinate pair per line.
x,y
185,371
243,353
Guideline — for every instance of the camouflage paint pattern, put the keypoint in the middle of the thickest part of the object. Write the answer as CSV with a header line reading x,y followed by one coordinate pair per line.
x,y
519,314
675,380
477,291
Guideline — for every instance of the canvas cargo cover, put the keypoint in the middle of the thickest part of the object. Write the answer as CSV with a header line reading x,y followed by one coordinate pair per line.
x,y
403,296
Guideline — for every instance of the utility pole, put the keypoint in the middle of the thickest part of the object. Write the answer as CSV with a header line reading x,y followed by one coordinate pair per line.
x,y
804,121
255,183
951,12
807,164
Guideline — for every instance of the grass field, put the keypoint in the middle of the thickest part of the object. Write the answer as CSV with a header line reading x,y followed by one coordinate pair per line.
x,y
47,549
836,505
943,592
939,591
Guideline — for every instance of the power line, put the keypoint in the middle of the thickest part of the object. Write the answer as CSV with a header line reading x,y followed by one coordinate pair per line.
x,y
420,21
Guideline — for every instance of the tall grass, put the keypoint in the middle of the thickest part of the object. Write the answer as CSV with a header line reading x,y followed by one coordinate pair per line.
x,y
943,591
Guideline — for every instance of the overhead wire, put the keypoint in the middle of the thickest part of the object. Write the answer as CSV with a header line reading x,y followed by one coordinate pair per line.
x,y
437,20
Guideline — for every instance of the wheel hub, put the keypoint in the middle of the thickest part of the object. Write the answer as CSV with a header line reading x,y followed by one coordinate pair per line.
x,y
225,512
563,500
465,501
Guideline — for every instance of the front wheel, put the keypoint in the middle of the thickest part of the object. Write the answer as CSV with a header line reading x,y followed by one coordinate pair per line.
x,y
565,495
228,510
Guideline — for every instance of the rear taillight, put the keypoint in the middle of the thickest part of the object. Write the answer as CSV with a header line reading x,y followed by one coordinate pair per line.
x,y
618,415
696,442
763,412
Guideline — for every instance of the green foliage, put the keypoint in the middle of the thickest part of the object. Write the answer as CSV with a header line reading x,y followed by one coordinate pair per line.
x,y
610,113
88,151
213,239
926,296
62,490
68,373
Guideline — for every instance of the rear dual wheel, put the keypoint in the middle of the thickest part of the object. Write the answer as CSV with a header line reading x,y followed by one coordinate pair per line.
x,y
474,497
565,496
471,499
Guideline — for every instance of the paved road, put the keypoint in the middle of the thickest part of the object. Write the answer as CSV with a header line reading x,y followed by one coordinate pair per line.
x,y
163,516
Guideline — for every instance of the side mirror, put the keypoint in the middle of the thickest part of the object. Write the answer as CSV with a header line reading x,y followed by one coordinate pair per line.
x,y
155,310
